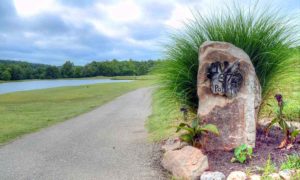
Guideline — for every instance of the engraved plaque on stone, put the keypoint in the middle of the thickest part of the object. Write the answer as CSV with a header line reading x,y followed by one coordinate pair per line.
x,y
226,79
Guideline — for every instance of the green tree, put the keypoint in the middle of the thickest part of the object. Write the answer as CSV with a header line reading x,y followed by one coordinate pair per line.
x,y
5,75
78,71
67,70
52,72
16,72
40,73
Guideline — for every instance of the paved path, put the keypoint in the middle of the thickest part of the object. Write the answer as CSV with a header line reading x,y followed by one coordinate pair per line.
x,y
106,143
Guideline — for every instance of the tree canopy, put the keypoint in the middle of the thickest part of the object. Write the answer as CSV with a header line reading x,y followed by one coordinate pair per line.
x,y
18,70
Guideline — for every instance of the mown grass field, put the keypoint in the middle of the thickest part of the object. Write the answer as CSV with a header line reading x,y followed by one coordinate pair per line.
x,y
25,112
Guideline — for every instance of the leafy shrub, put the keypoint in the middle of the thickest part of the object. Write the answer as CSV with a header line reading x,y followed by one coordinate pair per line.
x,y
242,153
291,162
195,131
265,35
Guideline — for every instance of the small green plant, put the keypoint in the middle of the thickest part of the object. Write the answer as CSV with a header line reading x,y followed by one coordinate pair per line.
x,y
294,133
195,131
268,168
242,153
291,162
290,133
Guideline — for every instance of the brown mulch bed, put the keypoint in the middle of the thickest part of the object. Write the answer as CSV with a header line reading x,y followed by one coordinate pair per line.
x,y
265,146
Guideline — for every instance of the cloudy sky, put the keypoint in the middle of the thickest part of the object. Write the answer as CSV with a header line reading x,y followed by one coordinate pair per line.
x,y
52,31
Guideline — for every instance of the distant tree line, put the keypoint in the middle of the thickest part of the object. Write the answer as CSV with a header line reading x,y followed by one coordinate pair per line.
x,y
18,70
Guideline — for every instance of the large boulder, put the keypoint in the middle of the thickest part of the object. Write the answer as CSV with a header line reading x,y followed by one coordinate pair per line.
x,y
188,162
229,95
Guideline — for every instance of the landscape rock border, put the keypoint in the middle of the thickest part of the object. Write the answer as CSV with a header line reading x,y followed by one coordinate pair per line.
x,y
188,162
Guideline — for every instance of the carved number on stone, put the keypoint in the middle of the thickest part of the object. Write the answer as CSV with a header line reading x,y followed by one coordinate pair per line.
x,y
226,79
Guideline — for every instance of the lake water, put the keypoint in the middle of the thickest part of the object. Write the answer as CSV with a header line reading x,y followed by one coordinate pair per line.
x,y
44,84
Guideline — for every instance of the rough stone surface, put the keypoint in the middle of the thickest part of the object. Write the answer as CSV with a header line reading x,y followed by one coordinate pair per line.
x,y
274,176
173,144
286,174
187,163
208,175
229,95
255,177
237,175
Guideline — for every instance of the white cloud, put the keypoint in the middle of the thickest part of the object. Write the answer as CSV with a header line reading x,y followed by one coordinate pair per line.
x,y
180,14
183,11
122,11
27,8
105,29
108,30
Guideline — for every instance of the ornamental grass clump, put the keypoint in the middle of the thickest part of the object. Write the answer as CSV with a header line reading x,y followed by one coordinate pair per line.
x,y
262,32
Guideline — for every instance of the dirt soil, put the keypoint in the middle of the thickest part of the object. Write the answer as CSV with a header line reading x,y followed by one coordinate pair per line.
x,y
265,146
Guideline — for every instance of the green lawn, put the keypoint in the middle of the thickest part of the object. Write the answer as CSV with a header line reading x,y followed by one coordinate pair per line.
x,y
161,124
25,112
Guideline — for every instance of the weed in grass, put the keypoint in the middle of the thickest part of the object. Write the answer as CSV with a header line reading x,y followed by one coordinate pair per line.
x,y
268,168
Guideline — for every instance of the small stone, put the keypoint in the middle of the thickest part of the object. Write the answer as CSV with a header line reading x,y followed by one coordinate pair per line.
x,y
255,177
274,176
188,162
237,175
286,174
173,144
208,175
